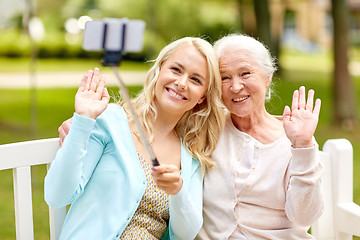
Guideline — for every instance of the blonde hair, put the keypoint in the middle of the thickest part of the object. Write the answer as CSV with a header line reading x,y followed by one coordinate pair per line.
x,y
199,128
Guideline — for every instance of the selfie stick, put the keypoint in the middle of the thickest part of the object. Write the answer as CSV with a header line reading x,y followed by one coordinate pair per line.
x,y
143,137
113,43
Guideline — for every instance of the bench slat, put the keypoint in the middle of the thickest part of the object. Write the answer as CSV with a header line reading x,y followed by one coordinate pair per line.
x,y
20,157
23,203
341,217
28,153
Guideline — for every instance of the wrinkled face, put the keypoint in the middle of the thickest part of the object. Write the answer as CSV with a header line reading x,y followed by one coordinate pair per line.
x,y
183,81
243,82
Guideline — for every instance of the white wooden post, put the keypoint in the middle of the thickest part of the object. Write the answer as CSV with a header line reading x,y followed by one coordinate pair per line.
x,y
20,157
56,219
323,228
347,213
341,217
23,203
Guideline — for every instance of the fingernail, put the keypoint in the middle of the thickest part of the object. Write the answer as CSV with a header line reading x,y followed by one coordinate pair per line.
x,y
154,168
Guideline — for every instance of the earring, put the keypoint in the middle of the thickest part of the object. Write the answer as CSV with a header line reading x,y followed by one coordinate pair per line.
x,y
268,94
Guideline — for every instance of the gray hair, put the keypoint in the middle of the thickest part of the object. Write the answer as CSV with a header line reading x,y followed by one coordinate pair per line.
x,y
254,47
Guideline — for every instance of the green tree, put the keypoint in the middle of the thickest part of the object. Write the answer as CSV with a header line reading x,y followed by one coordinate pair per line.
x,y
263,26
343,87
263,20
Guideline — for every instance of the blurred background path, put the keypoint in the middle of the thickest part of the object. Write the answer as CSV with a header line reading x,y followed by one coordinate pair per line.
x,y
73,78
65,79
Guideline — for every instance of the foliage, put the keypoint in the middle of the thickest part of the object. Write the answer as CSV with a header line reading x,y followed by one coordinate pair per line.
x,y
165,21
14,44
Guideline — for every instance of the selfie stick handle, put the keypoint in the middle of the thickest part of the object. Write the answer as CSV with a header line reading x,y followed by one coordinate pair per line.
x,y
143,137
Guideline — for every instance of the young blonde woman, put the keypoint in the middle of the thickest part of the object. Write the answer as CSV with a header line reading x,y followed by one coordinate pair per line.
x,y
103,170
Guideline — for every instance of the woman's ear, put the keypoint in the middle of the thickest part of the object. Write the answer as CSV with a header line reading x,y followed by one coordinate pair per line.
x,y
268,81
201,100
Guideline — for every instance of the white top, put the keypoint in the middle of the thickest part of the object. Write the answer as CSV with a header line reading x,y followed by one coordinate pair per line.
x,y
260,191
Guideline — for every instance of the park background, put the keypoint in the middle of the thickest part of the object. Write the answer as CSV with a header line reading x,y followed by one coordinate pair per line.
x,y
316,45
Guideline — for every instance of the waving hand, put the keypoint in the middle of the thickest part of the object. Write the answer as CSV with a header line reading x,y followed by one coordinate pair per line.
x,y
92,96
301,120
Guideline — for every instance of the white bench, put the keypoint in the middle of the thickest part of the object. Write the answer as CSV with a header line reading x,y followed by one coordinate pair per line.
x,y
20,157
340,220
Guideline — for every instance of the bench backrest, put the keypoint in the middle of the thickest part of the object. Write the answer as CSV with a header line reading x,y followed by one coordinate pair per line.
x,y
340,220
341,217
20,157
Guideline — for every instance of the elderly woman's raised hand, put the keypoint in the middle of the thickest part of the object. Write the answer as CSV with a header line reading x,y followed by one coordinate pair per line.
x,y
301,120
92,96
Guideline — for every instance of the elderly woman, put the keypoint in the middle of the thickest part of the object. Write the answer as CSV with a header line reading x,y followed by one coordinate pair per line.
x,y
267,172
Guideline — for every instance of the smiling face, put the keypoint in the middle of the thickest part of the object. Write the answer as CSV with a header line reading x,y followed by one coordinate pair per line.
x,y
243,82
182,82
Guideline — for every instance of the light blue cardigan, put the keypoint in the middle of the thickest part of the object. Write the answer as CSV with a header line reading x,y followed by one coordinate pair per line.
x,y
97,171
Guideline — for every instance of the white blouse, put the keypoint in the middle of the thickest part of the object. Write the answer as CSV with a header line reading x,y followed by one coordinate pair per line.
x,y
260,191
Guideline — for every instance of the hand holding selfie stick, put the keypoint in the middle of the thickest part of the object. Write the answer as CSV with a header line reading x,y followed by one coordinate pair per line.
x,y
116,36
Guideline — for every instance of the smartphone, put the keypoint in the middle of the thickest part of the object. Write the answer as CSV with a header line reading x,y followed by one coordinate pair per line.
x,y
114,35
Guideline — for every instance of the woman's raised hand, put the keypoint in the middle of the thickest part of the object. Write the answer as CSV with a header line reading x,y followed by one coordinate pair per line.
x,y
92,96
301,120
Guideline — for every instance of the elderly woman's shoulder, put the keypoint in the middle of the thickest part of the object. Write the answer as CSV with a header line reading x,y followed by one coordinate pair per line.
x,y
277,126
278,117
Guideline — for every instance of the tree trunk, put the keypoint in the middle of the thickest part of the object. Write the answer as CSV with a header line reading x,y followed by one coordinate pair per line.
x,y
343,89
263,26
262,16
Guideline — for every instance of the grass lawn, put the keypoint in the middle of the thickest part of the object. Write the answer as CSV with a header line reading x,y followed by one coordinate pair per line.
x,y
56,105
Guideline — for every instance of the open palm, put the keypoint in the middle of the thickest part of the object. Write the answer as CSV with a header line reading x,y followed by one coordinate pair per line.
x,y
301,120
92,96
